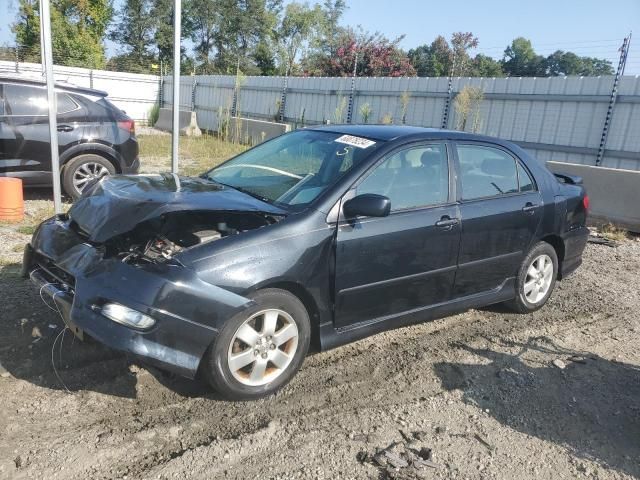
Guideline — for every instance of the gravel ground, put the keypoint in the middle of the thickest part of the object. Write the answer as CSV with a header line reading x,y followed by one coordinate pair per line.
x,y
485,394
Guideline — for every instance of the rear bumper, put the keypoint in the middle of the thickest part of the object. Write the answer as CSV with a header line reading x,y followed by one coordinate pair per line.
x,y
575,242
188,311
133,168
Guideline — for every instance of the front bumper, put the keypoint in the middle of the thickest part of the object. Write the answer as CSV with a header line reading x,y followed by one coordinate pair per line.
x,y
75,275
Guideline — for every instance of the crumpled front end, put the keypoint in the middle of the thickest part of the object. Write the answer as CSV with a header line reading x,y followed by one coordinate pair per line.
x,y
82,279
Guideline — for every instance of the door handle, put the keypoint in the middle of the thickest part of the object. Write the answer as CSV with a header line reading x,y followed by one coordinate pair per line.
x,y
65,128
446,222
529,208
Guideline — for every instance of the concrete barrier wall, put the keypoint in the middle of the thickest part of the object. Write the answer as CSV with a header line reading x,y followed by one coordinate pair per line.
x,y
165,119
614,194
252,132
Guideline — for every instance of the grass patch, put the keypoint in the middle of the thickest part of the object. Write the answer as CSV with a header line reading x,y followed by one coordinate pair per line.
x,y
26,229
197,154
610,231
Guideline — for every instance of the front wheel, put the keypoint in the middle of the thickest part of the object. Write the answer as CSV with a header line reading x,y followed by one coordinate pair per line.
x,y
536,279
259,350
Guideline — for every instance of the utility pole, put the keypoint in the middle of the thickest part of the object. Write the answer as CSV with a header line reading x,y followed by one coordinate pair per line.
x,y
175,130
45,15
624,51
42,54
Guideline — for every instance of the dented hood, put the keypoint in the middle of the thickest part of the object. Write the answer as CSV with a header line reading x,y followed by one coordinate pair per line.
x,y
116,204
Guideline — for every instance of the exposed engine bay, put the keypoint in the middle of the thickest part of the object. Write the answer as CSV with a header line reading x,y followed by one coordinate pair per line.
x,y
158,240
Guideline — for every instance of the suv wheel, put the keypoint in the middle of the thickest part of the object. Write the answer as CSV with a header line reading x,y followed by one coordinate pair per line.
x,y
536,279
79,171
259,350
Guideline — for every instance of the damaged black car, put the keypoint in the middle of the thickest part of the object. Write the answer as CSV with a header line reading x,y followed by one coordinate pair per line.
x,y
319,237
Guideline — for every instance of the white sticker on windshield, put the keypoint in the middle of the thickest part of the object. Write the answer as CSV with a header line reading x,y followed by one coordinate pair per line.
x,y
355,141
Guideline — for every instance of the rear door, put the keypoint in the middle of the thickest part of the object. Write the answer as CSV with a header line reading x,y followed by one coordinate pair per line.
x,y
500,208
27,117
392,265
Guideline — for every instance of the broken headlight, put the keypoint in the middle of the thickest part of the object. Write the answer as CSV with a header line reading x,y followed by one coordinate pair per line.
x,y
127,316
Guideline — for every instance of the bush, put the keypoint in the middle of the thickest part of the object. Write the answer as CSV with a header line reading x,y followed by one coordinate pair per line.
x,y
154,113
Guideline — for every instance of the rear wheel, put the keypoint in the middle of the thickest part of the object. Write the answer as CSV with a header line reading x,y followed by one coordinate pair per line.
x,y
536,279
79,171
259,350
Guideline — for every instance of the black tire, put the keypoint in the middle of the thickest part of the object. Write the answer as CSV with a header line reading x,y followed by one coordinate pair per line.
x,y
521,304
215,365
74,167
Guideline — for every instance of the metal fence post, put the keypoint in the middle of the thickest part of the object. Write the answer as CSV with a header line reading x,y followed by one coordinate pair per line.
x,y
624,50
447,104
193,94
234,101
161,91
283,100
352,95
91,78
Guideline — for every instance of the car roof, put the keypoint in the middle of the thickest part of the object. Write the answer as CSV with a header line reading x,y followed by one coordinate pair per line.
x,y
395,132
41,82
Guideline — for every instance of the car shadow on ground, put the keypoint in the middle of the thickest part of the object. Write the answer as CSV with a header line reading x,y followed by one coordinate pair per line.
x,y
584,402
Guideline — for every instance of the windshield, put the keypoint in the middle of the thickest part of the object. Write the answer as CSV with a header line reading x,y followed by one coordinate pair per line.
x,y
294,169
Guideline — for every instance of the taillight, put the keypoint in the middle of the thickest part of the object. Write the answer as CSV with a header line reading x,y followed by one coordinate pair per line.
x,y
585,202
128,125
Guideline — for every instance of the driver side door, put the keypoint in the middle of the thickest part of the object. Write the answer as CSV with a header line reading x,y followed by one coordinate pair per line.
x,y
390,266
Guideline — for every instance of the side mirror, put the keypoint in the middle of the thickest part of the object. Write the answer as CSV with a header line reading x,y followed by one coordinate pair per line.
x,y
367,205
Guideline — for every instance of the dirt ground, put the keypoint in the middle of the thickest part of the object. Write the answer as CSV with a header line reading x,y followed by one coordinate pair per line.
x,y
486,394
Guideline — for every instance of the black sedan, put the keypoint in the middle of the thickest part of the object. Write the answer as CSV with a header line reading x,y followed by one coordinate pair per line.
x,y
326,234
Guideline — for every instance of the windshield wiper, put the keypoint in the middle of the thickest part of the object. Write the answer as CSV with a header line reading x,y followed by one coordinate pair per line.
x,y
243,190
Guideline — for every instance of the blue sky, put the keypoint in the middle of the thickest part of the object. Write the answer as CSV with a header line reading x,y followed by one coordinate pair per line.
x,y
587,27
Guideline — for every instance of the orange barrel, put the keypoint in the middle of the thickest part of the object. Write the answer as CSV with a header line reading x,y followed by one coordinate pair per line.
x,y
11,201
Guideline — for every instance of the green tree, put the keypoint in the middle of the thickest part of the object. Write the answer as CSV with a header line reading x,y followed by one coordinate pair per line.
x,y
134,33
78,31
521,60
461,44
299,25
432,60
232,33
484,66
568,63
442,58
162,13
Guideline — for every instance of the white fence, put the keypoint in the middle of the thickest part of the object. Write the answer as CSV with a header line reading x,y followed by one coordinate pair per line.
x,y
558,118
134,93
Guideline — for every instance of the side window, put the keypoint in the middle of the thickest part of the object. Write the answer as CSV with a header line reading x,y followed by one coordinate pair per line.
x,y
525,180
486,172
26,101
415,177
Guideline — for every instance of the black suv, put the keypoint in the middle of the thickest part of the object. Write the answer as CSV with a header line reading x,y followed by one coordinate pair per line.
x,y
95,137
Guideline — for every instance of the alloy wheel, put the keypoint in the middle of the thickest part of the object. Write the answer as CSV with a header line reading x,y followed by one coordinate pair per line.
x,y
263,347
86,172
538,279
